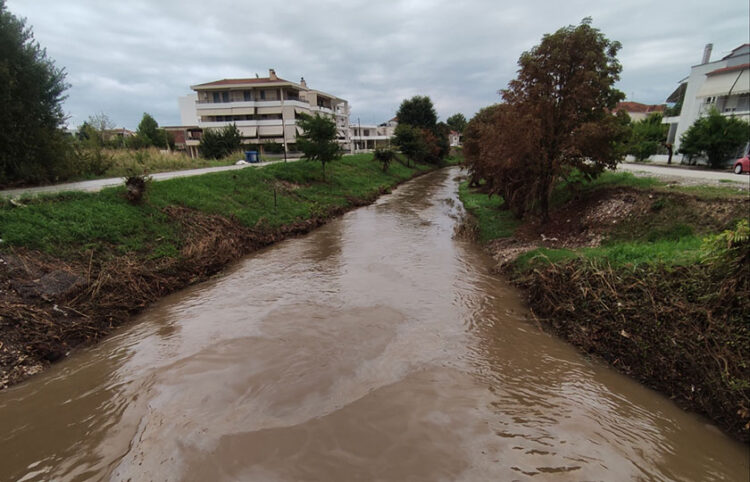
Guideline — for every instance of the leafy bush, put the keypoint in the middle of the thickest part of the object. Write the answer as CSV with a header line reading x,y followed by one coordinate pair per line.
x,y
716,136
218,143
385,157
646,136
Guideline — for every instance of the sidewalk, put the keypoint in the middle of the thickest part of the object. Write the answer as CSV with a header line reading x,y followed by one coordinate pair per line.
x,y
696,176
99,184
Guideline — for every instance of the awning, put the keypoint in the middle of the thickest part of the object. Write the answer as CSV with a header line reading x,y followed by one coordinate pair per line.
x,y
243,110
269,110
202,112
301,110
678,95
724,84
248,131
271,131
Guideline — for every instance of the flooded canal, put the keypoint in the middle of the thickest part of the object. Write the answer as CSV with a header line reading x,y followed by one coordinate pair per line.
x,y
375,348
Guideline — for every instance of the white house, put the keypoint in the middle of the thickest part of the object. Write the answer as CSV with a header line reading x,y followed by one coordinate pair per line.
x,y
265,110
723,84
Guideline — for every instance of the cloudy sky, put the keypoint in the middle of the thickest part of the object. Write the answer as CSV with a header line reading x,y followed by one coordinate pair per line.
x,y
126,58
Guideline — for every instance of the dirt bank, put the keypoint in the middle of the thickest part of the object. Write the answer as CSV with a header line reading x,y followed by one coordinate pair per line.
x,y
679,327
50,306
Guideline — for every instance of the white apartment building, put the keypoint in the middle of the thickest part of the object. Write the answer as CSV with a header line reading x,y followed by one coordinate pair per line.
x,y
265,110
723,84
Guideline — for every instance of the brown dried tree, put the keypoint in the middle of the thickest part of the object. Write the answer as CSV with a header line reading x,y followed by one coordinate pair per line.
x,y
556,117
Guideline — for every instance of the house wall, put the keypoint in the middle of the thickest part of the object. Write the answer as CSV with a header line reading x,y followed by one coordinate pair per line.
x,y
694,107
186,105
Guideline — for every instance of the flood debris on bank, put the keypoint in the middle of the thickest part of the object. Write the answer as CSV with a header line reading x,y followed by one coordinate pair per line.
x,y
56,298
620,273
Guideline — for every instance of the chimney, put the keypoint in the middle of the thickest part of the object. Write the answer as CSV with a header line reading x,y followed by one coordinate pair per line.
x,y
302,82
707,53
272,74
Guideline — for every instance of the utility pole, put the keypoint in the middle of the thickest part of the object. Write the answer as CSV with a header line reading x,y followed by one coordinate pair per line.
x,y
283,125
359,128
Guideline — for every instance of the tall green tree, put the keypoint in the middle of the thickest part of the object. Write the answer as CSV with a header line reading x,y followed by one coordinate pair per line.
x,y
318,141
149,133
716,136
457,122
418,112
411,142
418,134
33,147
559,117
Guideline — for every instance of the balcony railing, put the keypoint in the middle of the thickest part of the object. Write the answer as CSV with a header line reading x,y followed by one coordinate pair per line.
x,y
250,123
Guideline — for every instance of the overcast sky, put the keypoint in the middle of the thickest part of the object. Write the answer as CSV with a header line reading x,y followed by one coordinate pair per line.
x,y
126,58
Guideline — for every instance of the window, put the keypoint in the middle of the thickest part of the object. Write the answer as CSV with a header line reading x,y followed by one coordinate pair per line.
x,y
248,95
217,97
225,96
262,95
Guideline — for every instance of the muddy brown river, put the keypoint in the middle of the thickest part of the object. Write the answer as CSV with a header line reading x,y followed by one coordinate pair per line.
x,y
376,348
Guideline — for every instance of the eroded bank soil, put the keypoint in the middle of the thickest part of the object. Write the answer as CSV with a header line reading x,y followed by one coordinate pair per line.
x,y
50,306
682,330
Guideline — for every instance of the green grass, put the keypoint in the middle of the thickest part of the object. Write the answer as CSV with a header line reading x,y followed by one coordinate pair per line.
x,y
69,223
670,233
674,252
493,222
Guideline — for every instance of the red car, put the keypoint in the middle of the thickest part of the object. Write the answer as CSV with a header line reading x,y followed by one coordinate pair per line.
x,y
742,165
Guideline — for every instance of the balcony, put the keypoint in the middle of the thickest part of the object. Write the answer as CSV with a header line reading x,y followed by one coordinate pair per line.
x,y
250,123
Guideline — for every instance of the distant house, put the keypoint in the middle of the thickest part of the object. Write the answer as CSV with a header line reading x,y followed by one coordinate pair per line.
x,y
186,138
638,111
120,133
723,84
454,138
366,137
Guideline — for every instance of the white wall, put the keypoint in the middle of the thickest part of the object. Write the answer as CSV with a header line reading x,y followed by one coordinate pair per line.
x,y
187,109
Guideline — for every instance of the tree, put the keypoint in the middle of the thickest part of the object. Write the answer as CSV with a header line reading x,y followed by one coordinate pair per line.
x,y
457,122
716,136
219,143
385,157
149,133
411,142
418,112
91,159
33,146
557,118
477,138
646,136
318,142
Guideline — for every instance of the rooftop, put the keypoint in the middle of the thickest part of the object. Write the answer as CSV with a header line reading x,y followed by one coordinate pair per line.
x,y
729,69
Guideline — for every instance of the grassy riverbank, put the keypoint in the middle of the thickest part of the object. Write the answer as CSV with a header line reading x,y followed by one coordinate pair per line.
x,y
75,265
623,271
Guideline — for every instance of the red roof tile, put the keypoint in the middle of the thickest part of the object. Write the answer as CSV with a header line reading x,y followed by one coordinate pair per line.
x,y
254,80
729,69
638,107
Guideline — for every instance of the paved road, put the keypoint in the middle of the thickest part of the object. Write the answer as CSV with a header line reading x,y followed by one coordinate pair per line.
x,y
99,184
693,174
